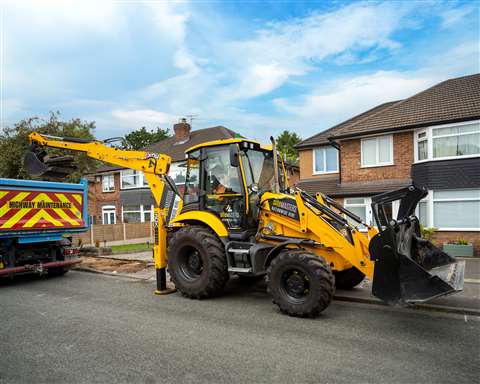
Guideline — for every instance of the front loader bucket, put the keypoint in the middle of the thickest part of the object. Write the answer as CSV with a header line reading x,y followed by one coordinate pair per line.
x,y
38,164
409,269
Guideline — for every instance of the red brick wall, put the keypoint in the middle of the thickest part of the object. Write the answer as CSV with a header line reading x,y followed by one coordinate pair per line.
x,y
472,237
402,160
97,198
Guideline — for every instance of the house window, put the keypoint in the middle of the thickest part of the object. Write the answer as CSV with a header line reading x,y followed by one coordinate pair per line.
x,y
377,151
325,160
448,141
136,213
361,206
177,172
422,146
456,141
454,209
130,178
108,214
108,183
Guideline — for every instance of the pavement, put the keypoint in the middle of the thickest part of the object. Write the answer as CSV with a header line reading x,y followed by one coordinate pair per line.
x,y
465,302
90,328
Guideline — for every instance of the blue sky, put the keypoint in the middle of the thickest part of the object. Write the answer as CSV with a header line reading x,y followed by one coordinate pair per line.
x,y
257,67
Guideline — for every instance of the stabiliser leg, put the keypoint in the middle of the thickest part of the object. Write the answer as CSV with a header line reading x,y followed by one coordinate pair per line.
x,y
162,289
160,254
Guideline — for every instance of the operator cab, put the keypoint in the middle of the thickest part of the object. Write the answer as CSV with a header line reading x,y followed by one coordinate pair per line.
x,y
227,178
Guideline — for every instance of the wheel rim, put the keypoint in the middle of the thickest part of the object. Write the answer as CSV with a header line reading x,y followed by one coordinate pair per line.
x,y
190,262
295,285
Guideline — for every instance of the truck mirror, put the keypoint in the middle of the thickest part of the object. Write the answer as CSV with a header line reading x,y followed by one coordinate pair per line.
x,y
234,161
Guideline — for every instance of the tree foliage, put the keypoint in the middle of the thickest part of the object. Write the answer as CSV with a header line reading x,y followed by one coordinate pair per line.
x,y
14,143
141,138
286,142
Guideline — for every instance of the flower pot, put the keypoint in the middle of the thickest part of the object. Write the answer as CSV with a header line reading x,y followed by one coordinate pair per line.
x,y
458,250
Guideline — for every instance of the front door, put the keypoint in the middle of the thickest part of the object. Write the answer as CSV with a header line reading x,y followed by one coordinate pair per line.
x,y
224,194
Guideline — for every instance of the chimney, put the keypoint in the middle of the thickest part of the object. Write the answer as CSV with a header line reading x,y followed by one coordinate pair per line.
x,y
182,130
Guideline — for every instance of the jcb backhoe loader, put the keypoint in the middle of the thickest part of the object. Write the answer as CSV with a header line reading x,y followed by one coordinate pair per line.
x,y
238,216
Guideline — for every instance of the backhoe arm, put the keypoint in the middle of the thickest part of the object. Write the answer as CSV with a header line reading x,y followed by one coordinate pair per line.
x,y
154,166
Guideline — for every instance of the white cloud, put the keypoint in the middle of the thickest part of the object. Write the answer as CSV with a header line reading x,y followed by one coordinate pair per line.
x,y
454,15
356,94
143,117
293,47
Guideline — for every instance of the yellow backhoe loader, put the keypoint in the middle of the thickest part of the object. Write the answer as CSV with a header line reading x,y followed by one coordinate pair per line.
x,y
238,216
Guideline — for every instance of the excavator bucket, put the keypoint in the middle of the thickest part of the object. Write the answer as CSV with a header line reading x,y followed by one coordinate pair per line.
x,y
408,268
38,164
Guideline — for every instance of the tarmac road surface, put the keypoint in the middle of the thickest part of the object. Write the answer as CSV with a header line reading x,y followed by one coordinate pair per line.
x,y
94,328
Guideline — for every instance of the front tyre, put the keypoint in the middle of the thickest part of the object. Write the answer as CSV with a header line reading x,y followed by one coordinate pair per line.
x,y
300,283
197,263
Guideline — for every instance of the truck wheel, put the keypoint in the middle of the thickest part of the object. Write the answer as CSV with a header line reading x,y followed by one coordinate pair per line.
x,y
300,283
348,279
197,263
58,271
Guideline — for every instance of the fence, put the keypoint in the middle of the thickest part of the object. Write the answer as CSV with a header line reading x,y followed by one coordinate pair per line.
x,y
114,233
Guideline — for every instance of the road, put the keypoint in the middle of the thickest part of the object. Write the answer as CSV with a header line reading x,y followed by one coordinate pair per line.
x,y
93,328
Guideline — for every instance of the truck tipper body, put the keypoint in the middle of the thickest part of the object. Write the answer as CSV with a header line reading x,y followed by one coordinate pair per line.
x,y
37,221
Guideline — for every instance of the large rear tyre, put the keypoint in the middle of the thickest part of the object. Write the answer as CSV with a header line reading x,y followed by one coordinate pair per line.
x,y
348,279
300,283
197,263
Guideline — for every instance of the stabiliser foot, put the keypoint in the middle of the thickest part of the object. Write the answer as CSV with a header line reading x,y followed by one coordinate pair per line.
x,y
162,283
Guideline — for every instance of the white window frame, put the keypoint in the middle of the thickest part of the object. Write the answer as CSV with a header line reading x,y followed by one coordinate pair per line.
x,y
368,204
429,131
141,181
429,199
109,209
377,162
314,171
143,209
110,176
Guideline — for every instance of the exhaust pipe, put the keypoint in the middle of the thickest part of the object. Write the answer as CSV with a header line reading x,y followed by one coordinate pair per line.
x,y
408,268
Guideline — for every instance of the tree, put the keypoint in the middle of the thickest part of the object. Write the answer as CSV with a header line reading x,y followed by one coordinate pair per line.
x,y
286,142
14,143
141,138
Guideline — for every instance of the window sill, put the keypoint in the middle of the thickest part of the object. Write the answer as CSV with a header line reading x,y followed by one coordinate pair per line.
x,y
458,230
324,173
446,158
377,165
108,191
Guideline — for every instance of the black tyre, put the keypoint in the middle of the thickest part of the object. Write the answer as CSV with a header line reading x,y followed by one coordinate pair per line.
x,y
197,263
57,271
300,283
348,279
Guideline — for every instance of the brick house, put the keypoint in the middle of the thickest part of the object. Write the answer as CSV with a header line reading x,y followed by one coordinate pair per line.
x,y
122,195
119,195
431,138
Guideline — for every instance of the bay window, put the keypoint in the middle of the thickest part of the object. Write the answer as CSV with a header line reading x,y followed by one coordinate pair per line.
x,y
454,209
137,213
377,151
448,141
325,160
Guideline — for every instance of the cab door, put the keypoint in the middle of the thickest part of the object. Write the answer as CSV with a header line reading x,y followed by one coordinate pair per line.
x,y
222,186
